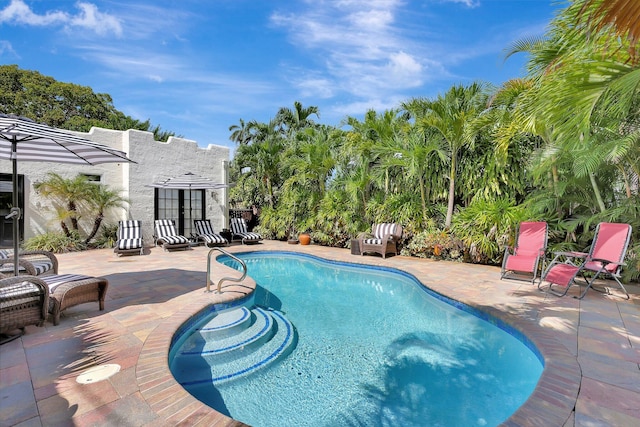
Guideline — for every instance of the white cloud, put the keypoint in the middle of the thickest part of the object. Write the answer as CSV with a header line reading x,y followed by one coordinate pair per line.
x,y
359,48
17,12
6,48
315,87
405,69
92,19
468,3
89,17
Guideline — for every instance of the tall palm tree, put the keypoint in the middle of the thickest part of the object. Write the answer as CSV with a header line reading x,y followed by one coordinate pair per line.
x,y
452,115
415,152
240,134
263,157
297,118
358,152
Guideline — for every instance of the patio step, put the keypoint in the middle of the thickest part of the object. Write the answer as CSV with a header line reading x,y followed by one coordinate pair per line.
x,y
207,358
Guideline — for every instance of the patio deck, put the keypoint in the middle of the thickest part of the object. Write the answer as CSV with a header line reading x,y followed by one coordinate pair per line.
x,y
591,346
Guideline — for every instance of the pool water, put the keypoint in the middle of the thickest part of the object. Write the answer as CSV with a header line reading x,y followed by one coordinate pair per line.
x,y
375,348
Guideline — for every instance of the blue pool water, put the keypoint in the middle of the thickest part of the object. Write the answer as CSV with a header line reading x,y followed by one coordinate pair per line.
x,y
375,348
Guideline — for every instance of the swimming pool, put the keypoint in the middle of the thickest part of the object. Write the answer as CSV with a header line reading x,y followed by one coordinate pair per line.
x,y
374,348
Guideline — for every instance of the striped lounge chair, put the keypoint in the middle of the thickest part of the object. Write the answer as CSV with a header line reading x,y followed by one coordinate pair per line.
x,y
166,235
33,263
129,238
206,234
239,231
383,239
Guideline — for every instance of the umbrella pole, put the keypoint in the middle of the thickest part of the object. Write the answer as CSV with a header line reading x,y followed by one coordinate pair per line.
x,y
15,210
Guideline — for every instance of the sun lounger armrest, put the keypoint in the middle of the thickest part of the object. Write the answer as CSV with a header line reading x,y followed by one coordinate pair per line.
x,y
571,254
606,262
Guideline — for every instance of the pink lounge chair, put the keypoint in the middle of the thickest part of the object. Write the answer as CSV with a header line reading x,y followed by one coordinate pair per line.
x,y
605,259
525,256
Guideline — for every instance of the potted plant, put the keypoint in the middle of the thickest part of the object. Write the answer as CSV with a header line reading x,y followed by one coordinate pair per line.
x,y
305,238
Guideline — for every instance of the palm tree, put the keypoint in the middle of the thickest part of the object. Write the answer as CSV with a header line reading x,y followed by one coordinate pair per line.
x,y
358,156
68,193
452,115
297,118
586,86
416,153
263,157
102,199
240,134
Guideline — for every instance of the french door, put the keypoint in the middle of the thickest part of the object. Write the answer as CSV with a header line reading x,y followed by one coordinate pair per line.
x,y
182,206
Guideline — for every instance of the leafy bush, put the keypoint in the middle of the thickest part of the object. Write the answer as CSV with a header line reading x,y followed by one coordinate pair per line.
x,y
436,245
56,242
487,226
107,237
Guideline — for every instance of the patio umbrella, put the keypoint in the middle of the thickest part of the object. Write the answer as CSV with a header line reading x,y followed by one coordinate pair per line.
x,y
188,181
22,139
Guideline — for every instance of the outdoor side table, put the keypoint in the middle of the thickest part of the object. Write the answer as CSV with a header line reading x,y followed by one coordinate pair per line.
x,y
355,247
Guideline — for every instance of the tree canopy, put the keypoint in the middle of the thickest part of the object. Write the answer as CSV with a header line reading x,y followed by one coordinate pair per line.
x,y
64,105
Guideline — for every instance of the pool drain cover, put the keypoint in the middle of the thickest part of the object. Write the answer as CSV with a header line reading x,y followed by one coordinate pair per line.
x,y
98,373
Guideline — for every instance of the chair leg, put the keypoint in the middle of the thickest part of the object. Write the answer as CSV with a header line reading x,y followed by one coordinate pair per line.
x,y
590,285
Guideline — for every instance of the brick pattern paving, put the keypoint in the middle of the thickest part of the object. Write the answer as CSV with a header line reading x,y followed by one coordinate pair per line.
x,y
591,347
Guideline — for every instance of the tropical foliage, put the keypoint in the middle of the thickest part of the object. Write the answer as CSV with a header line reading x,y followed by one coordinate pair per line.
x,y
73,198
462,169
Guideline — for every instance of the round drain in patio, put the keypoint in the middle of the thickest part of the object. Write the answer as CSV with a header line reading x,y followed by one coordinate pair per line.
x,y
98,373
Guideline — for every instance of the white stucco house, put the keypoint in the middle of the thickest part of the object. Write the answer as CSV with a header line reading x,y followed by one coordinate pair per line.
x,y
155,161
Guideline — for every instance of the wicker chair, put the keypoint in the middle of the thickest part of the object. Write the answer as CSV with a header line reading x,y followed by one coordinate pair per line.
x,y
24,301
32,263
382,240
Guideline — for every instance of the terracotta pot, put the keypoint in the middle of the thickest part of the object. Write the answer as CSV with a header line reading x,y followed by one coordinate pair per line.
x,y
305,239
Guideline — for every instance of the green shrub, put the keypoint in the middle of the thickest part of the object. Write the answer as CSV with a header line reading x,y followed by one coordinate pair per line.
x,y
435,245
107,237
55,242
486,227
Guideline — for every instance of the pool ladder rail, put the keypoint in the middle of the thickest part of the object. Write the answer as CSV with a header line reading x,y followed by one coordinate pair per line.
x,y
224,279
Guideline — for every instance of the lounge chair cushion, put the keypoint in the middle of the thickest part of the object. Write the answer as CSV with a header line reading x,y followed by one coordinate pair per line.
x,y
167,236
18,294
54,281
41,266
128,244
34,263
129,237
205,232
380,230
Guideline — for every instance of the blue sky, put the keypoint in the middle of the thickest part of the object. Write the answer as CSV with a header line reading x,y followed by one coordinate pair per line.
x,y
196,67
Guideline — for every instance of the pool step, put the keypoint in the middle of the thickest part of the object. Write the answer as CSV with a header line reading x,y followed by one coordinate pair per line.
x,y
227,323
209,358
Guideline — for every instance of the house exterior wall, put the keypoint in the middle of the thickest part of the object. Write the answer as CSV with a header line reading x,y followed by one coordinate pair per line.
x,y
155,161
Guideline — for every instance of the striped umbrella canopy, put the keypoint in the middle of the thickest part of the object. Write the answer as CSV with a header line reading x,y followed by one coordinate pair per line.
x,y
22,139
188,181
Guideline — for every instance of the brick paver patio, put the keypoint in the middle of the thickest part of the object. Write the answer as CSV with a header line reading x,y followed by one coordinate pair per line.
x,y
591,346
